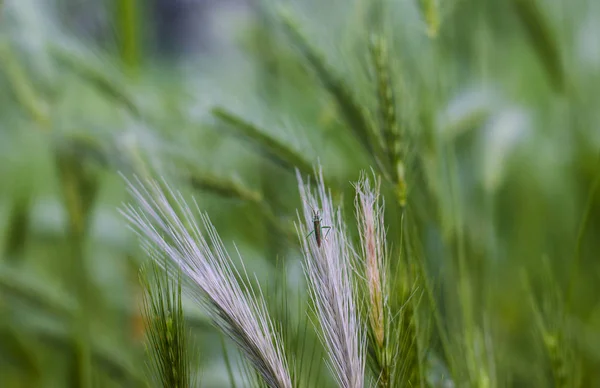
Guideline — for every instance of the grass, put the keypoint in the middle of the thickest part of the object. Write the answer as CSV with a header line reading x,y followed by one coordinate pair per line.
x,y
168,345
466,256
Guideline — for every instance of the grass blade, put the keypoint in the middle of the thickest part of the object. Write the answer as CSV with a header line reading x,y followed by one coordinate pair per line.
x,y
431,14
233,190
227,363
269,146
543,40
18,228
24,91
222,187
106,84
352,112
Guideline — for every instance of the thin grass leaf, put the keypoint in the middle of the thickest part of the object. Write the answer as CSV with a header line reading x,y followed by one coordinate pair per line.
x,y
32,291
328,270
405,327
272,148
227,363
18,228
543,40
105,358
86,148
405,343
22,87
79,184
168,230
106,84
581,229
37,294
306,350
431,15
22,351
414,247
301,343
220,186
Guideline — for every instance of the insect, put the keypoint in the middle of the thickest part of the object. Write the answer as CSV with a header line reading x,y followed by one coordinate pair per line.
x,y
317,228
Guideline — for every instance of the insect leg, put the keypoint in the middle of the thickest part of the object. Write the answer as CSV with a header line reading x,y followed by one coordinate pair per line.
x,y
328,230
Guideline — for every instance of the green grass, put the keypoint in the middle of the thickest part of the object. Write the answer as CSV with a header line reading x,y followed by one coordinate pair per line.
x,y
478,118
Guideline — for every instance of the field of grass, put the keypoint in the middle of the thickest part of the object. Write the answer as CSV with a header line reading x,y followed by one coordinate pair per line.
x,y
364,193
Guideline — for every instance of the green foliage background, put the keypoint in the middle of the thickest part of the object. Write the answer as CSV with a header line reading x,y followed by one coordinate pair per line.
x,y
497,106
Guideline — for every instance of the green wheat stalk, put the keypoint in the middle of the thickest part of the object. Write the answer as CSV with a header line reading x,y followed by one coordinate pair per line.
x,y
388,120
355,116
167,336
275,150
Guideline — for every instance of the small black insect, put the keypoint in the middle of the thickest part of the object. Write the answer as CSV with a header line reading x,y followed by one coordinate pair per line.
x,y
317,228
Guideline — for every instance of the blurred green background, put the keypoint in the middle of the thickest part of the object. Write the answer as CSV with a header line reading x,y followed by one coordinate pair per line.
x,y
499,101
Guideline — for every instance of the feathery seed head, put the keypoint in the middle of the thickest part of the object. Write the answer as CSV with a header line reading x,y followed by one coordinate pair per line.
x,y
167,228
372,238
329,273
